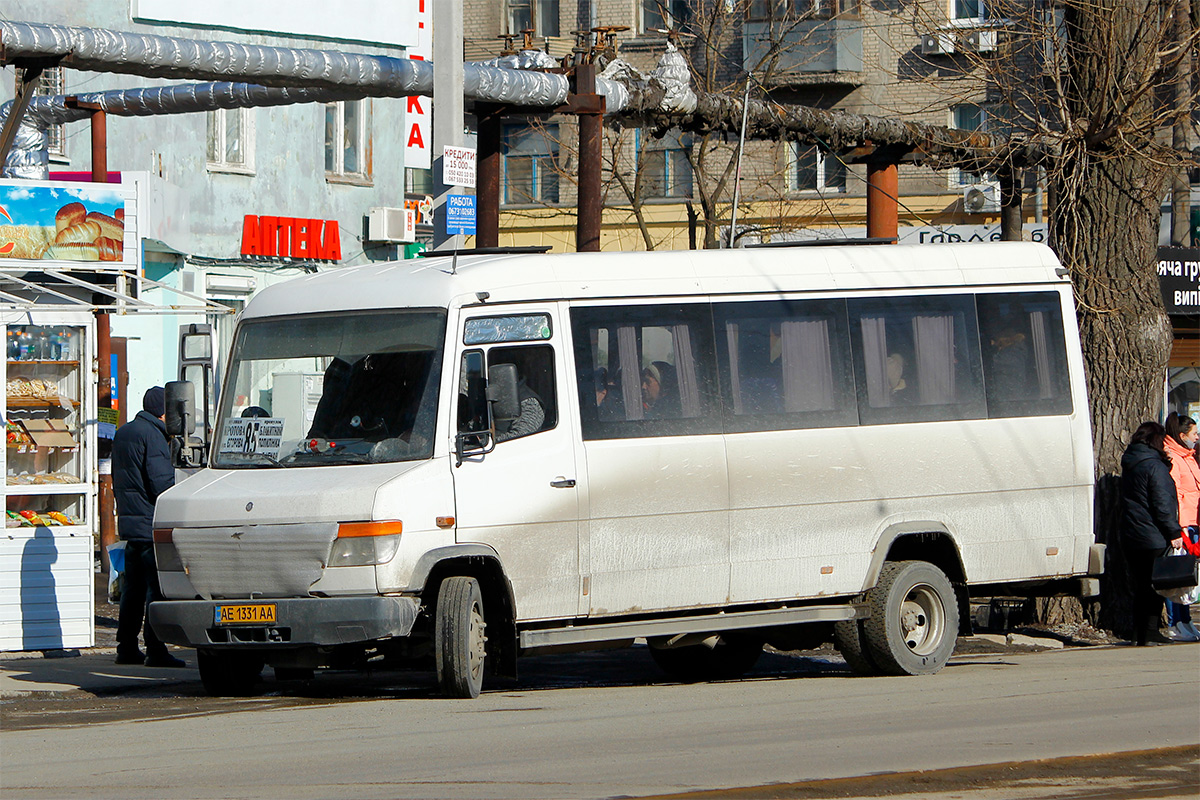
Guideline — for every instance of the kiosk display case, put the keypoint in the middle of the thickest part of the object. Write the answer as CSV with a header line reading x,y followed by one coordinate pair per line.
x,y
47,554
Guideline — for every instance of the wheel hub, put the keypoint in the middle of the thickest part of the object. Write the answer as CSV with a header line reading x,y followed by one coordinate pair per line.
x,y
478,650
922,620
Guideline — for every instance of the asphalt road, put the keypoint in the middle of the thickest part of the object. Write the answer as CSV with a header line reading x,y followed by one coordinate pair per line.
x,y
607,725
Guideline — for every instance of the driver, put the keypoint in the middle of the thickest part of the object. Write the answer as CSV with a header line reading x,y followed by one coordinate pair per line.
x,y
530,416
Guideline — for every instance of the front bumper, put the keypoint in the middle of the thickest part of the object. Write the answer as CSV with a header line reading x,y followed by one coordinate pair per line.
x,y
299,622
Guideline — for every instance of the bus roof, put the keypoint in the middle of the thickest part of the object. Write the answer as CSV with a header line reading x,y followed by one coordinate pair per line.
x,y
430,282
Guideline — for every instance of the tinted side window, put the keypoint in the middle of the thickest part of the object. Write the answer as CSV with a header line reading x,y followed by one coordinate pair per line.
x,y
916,359
785,364
1024,354
645,370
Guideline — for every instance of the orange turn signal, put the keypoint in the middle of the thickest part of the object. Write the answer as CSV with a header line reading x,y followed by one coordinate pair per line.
x,y
445,522
348,530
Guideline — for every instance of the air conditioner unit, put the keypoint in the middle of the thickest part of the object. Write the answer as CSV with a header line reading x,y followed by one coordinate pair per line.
x,y
982,41
391,225
938,43
982,198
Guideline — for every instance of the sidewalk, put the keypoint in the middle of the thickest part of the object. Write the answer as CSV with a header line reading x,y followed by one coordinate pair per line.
x,y
92,671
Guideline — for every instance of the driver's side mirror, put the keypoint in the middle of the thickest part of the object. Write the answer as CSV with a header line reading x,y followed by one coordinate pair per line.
x,y
502,391
181,408
180,421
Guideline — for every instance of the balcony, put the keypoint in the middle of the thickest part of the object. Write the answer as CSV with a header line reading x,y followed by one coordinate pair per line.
x,y
825,51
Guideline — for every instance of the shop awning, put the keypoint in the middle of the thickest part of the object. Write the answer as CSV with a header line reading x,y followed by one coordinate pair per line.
x,y
76,289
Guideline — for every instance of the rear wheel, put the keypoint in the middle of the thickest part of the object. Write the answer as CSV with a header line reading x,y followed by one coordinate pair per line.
x,y
731,657
914,619
460,646
851,643
228,674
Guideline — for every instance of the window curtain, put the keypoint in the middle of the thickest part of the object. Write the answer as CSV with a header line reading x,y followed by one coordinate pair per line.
x,y
807,367
1041,353
933,338
685,370
631,372
874,337
735,370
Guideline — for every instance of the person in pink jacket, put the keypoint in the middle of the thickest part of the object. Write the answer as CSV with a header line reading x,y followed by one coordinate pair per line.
x,y
1180,444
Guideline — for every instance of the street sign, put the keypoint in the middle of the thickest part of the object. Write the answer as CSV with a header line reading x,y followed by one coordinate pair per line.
x,y
460,215
458,166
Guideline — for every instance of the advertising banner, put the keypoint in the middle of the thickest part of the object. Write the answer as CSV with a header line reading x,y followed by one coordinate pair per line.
x,y
1179,277
81,222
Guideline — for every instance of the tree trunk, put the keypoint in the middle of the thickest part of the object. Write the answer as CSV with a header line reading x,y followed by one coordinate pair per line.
x,y
1105,230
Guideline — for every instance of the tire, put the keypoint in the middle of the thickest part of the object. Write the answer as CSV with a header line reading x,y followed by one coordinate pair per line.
x,y
229,674
730,659
849,639
459,642
913,625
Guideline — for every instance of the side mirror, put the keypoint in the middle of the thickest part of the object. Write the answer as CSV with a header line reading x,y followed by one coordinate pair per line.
x,y
502,391
181,408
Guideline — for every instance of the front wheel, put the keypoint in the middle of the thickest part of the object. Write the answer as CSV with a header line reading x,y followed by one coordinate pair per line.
x,y
459,640
228,674
914,619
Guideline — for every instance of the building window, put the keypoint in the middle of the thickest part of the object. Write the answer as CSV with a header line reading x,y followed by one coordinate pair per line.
x,y
801,9
231,140
51,83
971,9
539,15
530,164
664,166
810,170
661,15
968,117
347,139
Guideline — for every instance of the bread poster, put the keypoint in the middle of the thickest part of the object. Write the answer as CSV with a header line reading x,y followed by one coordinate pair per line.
x,y
61,223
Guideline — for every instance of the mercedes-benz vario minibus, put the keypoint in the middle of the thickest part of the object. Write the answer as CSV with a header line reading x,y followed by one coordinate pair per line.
x,y
458,462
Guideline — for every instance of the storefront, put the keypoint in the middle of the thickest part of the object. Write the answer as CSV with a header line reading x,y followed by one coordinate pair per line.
x,y
1179,276
68,253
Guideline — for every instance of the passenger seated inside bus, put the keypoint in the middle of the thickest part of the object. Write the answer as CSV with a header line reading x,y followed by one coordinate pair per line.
x,y
900,393
660,391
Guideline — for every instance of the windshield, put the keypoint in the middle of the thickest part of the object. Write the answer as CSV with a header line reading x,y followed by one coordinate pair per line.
x,y
348,388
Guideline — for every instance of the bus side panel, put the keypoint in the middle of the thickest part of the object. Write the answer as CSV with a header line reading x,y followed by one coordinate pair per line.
x,y
809,506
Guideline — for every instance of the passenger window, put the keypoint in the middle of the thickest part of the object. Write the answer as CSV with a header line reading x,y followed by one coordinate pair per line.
x,y
538,405
784,364
1024,354
645,370
916,359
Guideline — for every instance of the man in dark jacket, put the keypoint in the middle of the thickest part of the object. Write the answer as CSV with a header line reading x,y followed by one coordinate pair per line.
x,y
141,471
1150,523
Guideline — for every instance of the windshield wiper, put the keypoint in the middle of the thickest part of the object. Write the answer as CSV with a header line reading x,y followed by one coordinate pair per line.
x,y
271,459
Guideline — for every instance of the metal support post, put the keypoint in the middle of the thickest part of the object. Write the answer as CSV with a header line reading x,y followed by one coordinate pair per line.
x,y
487,184
25,91
591,154
447,105
883,200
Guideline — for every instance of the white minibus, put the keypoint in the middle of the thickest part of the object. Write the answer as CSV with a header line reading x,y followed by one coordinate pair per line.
x,y
458,461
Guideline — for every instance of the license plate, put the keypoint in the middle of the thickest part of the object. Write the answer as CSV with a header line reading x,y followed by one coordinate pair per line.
x,y
244,614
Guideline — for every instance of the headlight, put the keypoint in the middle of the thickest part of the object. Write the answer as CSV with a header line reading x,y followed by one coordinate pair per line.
x,y
361,544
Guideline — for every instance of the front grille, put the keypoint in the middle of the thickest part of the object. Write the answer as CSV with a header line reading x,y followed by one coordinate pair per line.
x,y
254,561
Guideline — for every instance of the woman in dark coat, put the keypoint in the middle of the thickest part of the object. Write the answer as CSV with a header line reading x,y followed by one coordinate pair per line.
x,y
1150,524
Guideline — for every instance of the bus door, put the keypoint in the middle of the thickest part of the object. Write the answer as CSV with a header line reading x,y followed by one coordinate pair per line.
x,y
516,486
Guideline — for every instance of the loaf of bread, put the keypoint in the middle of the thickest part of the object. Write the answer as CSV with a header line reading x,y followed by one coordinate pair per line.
x,y
110,249
68,215
109,227
74,251
84,232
